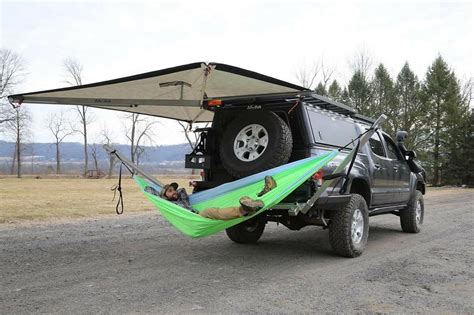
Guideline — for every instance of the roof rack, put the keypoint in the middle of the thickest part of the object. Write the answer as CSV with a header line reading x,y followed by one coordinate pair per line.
x,y
308,97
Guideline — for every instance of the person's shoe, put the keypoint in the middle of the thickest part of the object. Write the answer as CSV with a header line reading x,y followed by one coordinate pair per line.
x,y
152,191
270,183
250,206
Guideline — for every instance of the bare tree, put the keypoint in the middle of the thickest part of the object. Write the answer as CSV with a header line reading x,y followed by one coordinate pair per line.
x,y
361,62
327,73
94,150
73,75
12,72
192,139
18,129
60,129
307,74
138,131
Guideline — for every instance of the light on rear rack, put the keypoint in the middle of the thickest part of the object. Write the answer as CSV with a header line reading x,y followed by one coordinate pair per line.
x,y
214,103
318,177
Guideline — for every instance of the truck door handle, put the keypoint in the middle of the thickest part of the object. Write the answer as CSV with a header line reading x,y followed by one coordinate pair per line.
x,y
377,166
395,168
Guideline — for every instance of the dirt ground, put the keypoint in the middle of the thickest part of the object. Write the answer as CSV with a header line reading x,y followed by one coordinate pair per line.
x,y
137,263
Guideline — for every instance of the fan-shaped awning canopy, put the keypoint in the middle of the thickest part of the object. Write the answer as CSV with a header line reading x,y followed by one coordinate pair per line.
x,y
175,93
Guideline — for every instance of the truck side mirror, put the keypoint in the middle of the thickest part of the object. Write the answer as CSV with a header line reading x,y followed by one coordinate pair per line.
x,y
401,136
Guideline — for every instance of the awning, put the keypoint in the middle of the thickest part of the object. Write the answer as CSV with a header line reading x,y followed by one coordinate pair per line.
x,y
175,93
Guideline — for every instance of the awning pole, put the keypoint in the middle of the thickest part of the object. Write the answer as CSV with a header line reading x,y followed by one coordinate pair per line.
x,y
207,71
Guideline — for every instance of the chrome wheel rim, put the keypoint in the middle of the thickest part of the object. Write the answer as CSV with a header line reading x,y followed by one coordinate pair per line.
x,y
418,213
251,142
357,228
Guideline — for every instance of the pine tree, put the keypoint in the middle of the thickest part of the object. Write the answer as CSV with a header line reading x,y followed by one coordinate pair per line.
x,y
359,92
445,110
320,89
334,91
345,99
383,99
411,110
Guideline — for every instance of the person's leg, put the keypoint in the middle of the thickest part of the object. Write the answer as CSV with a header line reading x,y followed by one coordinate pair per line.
x,y
222,213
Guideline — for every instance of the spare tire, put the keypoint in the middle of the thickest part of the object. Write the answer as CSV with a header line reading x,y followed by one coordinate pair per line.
x,y
255,142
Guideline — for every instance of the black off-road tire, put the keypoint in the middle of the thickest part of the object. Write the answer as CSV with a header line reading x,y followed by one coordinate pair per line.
x,y
340,228
247,232
408,216
277,152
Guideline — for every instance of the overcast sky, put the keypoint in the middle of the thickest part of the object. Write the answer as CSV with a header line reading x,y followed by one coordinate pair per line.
x,y
120,38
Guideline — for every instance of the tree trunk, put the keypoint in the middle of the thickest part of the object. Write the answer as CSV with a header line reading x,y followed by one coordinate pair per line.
x,y
58,160
12,170
84,125
96,163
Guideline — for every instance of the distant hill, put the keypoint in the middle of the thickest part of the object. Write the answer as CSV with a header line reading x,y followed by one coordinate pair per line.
x,y
167,156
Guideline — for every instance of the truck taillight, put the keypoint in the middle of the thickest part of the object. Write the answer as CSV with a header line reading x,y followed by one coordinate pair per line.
x,y
318,177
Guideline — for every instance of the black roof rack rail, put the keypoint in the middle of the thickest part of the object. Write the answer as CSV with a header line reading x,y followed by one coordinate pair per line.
x,y
308,97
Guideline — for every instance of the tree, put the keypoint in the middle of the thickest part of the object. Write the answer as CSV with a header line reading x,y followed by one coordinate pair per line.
x,y
306,75
320,89
361,62
139,130
73,74
18,128
11,74
60,129
107,139
444,110
359,93
465,163
411,110
94,152
383,99
335,91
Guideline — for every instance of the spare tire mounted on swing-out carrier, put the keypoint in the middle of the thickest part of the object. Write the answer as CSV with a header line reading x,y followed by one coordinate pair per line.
x,y
254,143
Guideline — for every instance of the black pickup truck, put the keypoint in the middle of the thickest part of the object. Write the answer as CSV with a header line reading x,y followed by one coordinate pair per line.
x,y
254,133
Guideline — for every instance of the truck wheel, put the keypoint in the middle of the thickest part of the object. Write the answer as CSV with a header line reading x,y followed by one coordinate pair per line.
x,y
255,142
349,228
411,218
246,232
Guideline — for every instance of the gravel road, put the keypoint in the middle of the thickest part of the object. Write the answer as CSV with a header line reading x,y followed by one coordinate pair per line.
x,y
139,264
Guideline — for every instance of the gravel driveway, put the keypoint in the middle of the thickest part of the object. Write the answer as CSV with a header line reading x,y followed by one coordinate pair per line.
x,y
139,264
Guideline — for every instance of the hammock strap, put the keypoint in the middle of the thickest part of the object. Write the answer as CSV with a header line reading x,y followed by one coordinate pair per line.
x,y
118,187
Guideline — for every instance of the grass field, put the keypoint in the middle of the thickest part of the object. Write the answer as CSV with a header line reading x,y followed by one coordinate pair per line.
x,y
47,198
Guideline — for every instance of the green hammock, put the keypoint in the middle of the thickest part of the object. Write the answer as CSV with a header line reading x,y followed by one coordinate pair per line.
x,y
288,178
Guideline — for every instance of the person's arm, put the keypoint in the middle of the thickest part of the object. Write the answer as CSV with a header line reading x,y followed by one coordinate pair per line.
x,y
183,197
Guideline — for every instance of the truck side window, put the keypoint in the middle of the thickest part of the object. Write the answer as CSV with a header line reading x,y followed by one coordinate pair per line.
x,y
391,149
376,145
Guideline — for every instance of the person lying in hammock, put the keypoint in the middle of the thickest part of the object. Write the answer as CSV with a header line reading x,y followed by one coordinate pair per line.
x,y
248,206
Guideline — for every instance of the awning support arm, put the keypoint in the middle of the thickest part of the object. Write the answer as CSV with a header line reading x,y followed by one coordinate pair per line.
x,y
207,71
